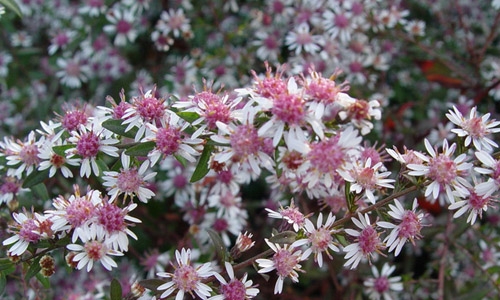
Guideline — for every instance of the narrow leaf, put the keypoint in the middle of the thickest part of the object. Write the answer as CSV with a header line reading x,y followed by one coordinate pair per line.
x,y
3,282
202,168
141,149
189,116
43,280
116,126
220,248
40,190
36,177
115,290
61,150
12,5
34,269
285,237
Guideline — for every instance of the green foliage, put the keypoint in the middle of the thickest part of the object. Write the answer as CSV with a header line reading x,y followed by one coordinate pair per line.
x,y
12,5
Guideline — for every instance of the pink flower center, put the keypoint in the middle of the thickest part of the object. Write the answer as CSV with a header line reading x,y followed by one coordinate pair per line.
x,y
278,7
186,278
176,21
129,180
180,181
225,176
9,187
496,172
123,27
442,169
119,110
381,284
168,140
111,217
341,21
270,87
478,202
366,178
368,240
79,211
27,231
95,250
72,119
214,109
284,262
228,200
95,3
475,128
288,108
270,43
29,154
150,109
245,142
235,289
61,39
410,225
320,239
322,90
220,225
303,38
372,154
327,156
73,69
293,160
88,145
294,215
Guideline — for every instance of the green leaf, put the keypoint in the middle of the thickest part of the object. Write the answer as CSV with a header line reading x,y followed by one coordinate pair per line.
x,y
189,116
36,177
61,150
115,290
40,190
151,284
12,5
43,280
202,168
3,282
116,126
141,149
34,269
285,237
7,266
220,248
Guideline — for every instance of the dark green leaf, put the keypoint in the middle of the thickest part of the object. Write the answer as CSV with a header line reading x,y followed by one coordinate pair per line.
x,y
40,190
6,266
285,237
12,5
36,177
220,248
115,290
116,126
33,269
141,149
43,280
202,168
151,284
3,282
190,117
61,150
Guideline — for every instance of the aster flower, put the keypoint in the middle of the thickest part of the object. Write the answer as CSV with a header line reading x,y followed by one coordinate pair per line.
x,y
447,174
88,144
359,112
9,188
175,22
241,289
408,228
73,71
245,148
60,41
93,8
367,244
475,129
285,261
301,39
407,157
153,262
367,178
473,203
53,161
268,45
490,168
320,238
130,181
381,285
186,278
123,24
95,249
171,139
291,214
26,233
22,157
